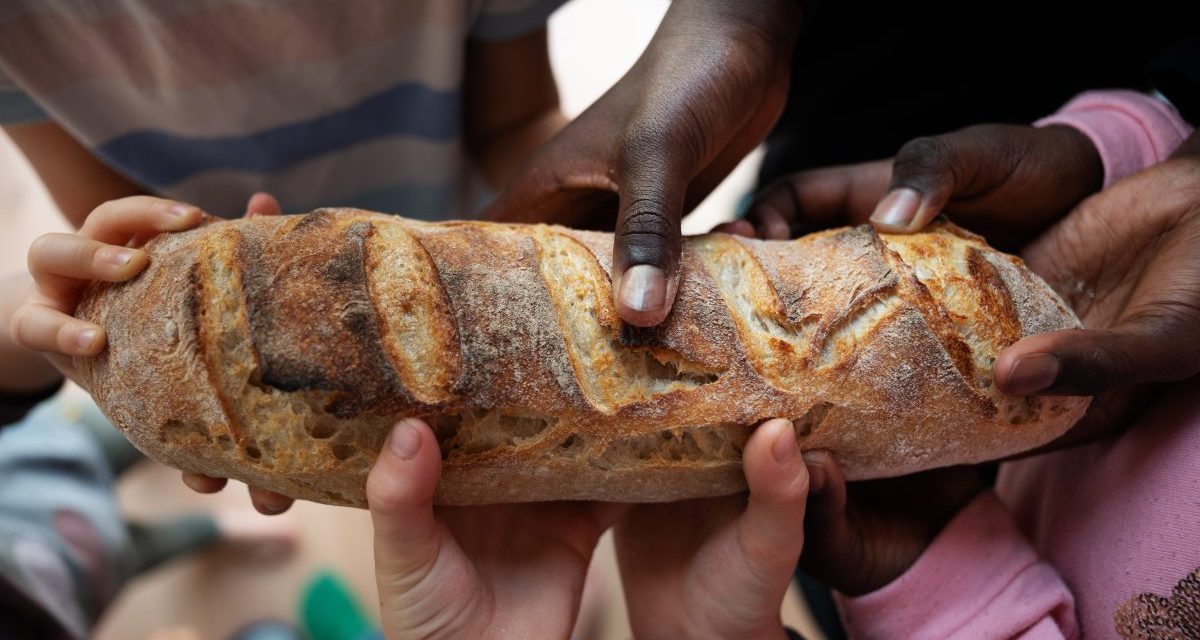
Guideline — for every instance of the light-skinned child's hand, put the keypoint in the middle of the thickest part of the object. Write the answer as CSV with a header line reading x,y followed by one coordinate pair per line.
x,y
105,248
490,571
719,567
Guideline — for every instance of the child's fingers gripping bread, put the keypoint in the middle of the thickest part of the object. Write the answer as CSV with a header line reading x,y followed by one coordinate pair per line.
x,y
280,351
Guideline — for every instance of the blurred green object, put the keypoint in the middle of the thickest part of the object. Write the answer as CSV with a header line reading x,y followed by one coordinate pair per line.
x,y
329,610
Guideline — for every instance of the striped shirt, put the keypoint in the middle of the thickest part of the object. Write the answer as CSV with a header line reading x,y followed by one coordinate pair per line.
x,y
319,102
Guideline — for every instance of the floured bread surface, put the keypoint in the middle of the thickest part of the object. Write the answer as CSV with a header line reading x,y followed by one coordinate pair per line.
x,y
280,350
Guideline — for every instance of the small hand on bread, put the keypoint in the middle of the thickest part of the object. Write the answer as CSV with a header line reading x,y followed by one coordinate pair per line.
x,y
107,248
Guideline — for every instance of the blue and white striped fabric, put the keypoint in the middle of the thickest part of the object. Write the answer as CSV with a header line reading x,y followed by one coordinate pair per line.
x,y
353,103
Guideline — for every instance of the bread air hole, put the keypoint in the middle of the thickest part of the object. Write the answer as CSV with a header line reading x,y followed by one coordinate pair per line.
x,y
476,432
705,443
322,427
185,432
811,420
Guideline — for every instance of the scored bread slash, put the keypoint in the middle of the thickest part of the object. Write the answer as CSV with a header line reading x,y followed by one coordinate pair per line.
x,y
280,351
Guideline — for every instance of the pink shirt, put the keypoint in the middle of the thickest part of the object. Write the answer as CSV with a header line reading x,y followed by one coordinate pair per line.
x,y
1070,541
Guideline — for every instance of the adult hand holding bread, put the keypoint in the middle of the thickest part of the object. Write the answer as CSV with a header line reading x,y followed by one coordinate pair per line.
x,y
1124,258
705,92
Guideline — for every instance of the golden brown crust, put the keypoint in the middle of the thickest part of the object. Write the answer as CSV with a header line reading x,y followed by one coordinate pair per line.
x,y
279,351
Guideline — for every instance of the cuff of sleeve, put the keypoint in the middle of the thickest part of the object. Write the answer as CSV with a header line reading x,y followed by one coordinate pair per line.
x,y
510,23
976,557
1131,130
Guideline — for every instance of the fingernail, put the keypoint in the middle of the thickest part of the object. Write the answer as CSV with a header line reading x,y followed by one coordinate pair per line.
x,y
897,209
85,338
1032,373
273,506
816,471
643,288
180,210
405,440
121,257
784,446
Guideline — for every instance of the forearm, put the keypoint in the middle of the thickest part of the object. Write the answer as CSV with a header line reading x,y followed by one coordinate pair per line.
x,y
76,180
21,370
511,103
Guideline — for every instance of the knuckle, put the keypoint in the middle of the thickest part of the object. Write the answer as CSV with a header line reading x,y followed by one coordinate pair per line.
x,y
923,152
1102,367
647,137
923,163
107,210
646,215
645,233
384,496
63,337
670,137
22,327
40,250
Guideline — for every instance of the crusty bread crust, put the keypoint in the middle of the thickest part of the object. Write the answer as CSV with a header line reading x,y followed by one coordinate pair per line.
x,y
280,350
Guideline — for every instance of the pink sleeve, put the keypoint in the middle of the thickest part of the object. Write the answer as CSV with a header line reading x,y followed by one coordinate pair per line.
x,y
1131,130
979,579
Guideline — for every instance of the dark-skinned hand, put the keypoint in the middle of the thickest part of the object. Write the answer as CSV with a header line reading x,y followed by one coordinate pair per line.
x,y
706,91
1126,259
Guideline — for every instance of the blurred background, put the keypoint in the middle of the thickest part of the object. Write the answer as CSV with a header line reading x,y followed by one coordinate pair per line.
x,y
211,595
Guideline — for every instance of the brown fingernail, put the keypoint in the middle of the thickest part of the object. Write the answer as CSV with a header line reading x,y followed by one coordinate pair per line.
x,y
897,209
405,440
644,288
1032,373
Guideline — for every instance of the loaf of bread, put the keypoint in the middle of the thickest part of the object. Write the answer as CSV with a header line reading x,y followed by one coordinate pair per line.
x,y
280,351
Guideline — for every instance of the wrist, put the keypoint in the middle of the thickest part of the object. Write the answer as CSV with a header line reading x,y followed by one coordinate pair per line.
x,y
1130,131
1083,167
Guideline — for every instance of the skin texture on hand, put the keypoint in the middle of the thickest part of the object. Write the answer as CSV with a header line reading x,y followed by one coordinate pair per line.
x,y
105,248
718,568
1005,182
1125,259
495,571
707,89
21,370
